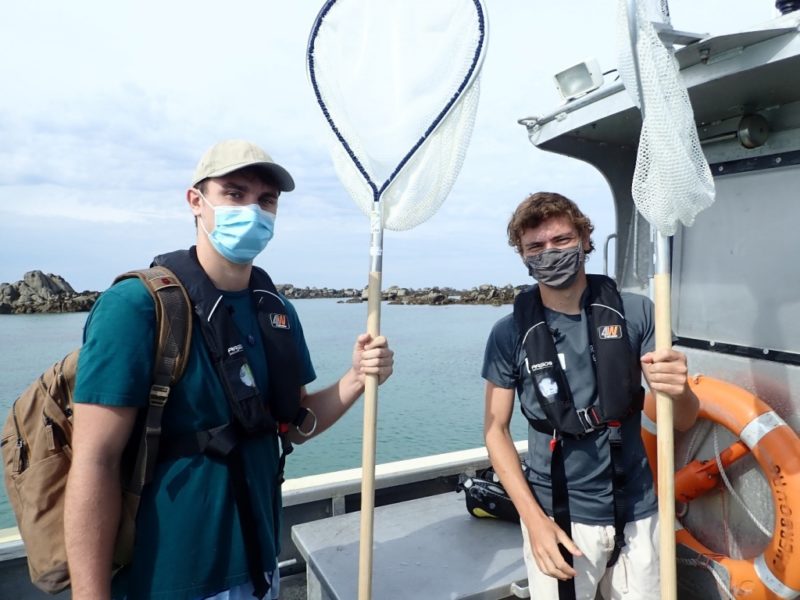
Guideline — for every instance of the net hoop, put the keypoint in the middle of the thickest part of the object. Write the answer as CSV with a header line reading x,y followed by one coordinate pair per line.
x,y
378,188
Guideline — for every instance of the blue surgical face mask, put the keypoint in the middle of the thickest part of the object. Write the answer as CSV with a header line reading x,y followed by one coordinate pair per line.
x,y
240,232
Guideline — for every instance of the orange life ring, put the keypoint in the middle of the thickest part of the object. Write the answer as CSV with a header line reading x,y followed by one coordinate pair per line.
x,y
776,447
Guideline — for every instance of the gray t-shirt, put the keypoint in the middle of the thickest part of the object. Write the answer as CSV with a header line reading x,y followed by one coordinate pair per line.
x,y
587,460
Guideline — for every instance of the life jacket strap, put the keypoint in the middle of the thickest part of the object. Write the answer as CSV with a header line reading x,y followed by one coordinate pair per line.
x,y
588,418
561,514
618,487
217,442
247,522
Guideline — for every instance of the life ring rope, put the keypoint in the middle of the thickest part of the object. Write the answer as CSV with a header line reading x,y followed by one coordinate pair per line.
x,y
721,467
705,564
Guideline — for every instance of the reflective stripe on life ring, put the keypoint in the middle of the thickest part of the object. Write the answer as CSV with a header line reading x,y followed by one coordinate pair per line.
x,y
776,447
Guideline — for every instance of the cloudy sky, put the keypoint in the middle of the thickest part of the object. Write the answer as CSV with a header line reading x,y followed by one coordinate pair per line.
x,y
107,106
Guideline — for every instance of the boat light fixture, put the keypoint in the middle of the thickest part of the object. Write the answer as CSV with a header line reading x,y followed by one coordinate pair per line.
x,y
579,79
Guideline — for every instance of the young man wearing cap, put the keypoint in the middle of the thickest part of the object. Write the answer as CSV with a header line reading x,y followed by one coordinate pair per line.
x,y
574,351
192,540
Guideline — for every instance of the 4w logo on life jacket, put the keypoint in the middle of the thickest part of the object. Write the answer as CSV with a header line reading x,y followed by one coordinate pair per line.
x,y
279,320
609,332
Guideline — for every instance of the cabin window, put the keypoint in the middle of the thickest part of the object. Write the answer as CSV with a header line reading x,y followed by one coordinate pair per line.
x,y
736,275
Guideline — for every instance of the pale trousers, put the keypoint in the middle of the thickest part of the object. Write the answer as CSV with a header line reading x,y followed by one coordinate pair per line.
x,y
635,575
245,591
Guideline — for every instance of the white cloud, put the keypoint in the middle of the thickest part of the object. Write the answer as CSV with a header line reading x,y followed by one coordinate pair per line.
x,y
91,206
107,106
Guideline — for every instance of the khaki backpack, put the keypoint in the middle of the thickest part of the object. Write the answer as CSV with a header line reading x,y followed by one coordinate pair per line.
x,y
36,439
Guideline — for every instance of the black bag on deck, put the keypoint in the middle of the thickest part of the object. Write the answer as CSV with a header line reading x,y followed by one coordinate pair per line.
x,y
486,497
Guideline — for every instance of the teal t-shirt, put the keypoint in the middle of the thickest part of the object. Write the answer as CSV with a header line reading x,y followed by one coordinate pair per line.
x,y
188,538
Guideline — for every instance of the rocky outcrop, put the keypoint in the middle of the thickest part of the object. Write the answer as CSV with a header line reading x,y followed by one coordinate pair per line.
x,y
43,293
294,293
484,294
48,293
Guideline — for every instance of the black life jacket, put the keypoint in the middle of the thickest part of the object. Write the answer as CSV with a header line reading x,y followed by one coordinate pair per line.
x,y
251,415
619,394
227,350
616,366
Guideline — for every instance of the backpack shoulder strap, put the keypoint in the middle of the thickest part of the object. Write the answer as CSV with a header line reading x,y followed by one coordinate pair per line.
x,y
174,326
173,320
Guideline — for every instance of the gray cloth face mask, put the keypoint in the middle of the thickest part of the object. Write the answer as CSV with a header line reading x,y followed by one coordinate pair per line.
x,y
557,267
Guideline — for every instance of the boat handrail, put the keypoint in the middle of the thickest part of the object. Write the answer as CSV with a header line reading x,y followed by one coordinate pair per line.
x,y
310,488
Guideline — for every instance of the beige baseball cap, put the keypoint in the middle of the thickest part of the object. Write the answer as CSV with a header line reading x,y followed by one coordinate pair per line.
x,y
232,155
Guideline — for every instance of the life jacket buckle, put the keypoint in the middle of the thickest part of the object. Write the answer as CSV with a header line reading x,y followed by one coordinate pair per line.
x,y
615,432
589,419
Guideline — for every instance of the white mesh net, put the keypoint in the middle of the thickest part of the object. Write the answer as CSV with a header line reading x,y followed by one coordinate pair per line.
x,y
672,182
385,71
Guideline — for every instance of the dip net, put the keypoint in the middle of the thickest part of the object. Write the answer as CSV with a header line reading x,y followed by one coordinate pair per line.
x,y
397,84
672,182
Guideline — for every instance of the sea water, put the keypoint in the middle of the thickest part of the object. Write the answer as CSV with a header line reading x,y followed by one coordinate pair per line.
x,y
432,404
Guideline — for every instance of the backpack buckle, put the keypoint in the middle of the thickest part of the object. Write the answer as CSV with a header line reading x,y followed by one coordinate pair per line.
x,y
159,395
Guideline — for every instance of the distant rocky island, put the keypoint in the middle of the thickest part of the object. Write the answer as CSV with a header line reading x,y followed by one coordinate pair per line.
x,y
483,294
38,292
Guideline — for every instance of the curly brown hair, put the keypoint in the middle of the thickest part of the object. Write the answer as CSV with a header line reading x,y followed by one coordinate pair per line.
x,y
540,207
